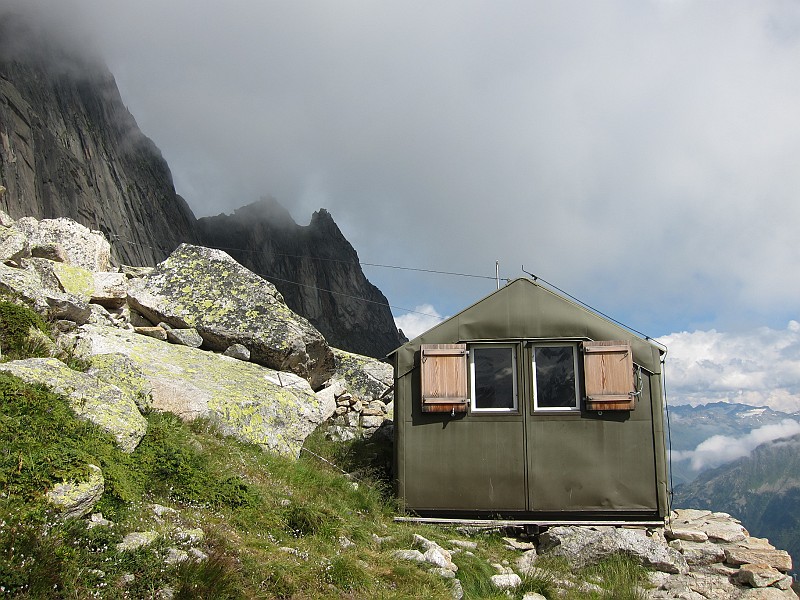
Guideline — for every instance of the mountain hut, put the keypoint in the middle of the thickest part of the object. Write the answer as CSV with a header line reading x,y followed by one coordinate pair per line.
x,y
528,406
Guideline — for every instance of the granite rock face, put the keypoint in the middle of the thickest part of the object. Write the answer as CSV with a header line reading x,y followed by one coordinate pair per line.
x,y
207,290
70,148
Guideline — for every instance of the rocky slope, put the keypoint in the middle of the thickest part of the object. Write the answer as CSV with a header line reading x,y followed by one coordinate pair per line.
x,y
763,490
70,148
314,267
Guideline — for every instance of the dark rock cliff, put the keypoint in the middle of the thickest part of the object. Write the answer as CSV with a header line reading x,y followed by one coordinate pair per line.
x,y
314,267
70,148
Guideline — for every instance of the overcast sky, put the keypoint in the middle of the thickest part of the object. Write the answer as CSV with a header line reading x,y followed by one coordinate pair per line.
x,y
642,155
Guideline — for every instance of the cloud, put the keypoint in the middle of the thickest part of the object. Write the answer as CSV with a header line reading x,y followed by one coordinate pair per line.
x,y
414,323
641,155
720,449
760,367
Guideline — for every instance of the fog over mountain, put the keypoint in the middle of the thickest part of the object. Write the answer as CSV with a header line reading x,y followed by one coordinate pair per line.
x,y
640,155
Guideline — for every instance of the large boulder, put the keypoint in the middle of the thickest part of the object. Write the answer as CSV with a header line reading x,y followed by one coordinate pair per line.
x,y
104,404
79,245
583,546
273,409
228,304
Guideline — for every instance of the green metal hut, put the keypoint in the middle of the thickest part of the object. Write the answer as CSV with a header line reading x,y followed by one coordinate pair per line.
x,y
530,407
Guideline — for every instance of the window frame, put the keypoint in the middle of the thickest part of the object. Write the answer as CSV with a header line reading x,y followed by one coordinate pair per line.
x,y
576,408
515,375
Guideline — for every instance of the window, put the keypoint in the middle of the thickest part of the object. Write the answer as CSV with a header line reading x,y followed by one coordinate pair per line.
x,y
555,385
493,377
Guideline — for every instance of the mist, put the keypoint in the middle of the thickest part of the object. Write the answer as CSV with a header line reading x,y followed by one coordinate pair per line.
x,y
722,449
640,155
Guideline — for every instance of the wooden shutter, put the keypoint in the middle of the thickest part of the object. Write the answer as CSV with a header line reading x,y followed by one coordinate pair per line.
x,y
443,369
608,375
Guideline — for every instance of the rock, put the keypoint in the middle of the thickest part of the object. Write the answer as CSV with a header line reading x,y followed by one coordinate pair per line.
x,y
526,562
76,499
103,404
272,409
444,573
778,559
412,555
533,596
110,289
136,540
700,553
25,284
716,526
158,333
97,520
457,590
185,337
208,290
365,378
371,422
507,581
13,245
690,535
82,247
464,544
435,554
119,370
760,575
237,351
515,544
583,546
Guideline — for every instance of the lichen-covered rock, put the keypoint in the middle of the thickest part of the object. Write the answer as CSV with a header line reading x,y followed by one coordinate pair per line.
x,y
119,370
238,352
136,540
99,402
584,546
75,499
13,245
273,409
82,247
25,284
208,290
110,289
366,378
184,337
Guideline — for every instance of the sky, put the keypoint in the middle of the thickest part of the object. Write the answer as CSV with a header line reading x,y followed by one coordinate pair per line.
x,y
641,155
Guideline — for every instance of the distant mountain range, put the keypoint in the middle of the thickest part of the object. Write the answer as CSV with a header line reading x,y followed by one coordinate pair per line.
x,y
762,490
691,425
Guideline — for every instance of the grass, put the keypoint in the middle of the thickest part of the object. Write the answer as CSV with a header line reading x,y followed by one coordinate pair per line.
x,y
272,527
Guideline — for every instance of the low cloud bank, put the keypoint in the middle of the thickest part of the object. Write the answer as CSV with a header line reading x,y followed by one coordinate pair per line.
x,y
720,449
759,367
423,318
